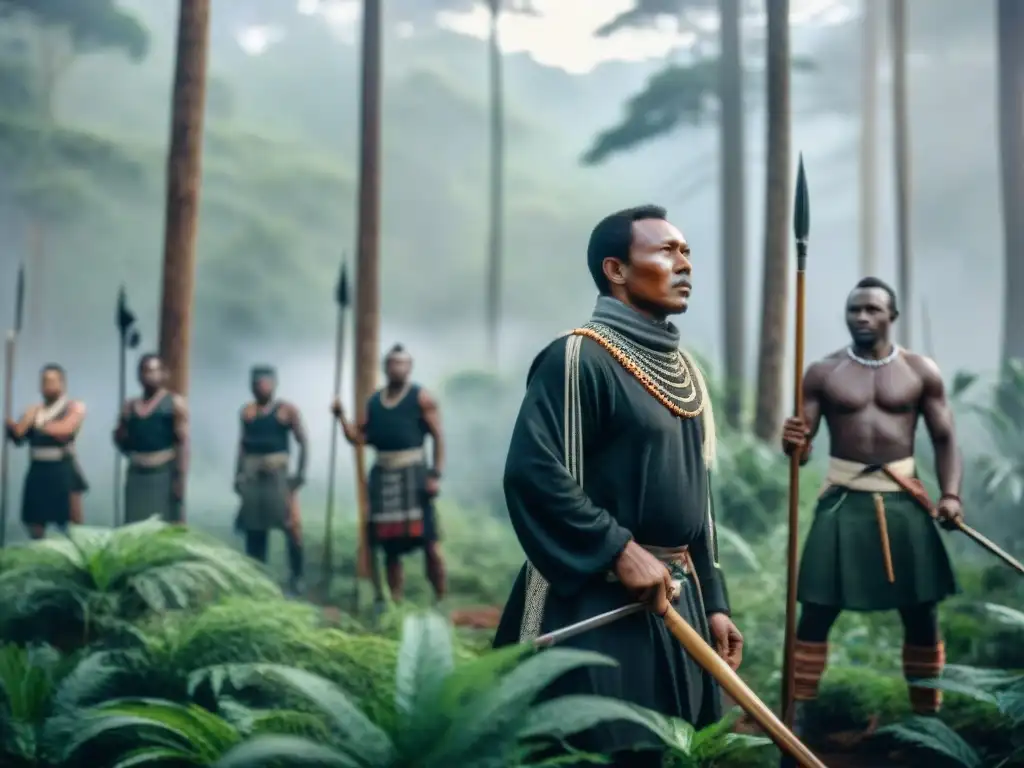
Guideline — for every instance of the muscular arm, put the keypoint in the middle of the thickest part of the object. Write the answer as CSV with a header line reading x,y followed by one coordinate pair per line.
x,y
299,433
121,429
813,388
354,433
20,430
432,418
243,416
938,418
181,437
65,428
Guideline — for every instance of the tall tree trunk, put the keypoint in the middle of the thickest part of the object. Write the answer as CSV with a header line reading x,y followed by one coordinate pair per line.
x,y
367,304
497,180
774,300
733,214
901,148
869,142
184,175
1010,16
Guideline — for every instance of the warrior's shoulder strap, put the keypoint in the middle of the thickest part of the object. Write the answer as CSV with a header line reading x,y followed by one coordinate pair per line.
x,y
537,587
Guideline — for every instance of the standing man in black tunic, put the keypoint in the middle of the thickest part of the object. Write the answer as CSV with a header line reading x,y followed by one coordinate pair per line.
x,y
152,432
54,483
402,488
607,485
269,495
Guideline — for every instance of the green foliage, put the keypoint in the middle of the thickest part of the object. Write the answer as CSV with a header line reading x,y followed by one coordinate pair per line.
x,y
90,24
673,97
67,591
751,484
1000,690
29,678
644,12
679,95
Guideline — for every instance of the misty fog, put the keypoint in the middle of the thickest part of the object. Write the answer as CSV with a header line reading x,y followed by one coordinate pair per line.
x,y
432,263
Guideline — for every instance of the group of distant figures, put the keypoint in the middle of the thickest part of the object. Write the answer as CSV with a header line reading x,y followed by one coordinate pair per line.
x,y
152,434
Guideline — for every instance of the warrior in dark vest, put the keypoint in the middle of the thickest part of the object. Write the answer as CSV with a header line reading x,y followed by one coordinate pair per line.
x,y
54,483
269,495
401,487
152,433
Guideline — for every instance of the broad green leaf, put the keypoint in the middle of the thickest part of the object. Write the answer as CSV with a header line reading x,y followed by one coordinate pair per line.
x,y
290,751
933,735
565,716
424,661
156,756
487,719
353,727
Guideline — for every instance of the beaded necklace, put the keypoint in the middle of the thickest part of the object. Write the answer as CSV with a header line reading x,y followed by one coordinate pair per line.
x,y
665,375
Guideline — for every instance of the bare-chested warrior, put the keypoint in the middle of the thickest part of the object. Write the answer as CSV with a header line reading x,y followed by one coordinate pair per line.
x,y
402,488
269,494
874,544
152,432
54,483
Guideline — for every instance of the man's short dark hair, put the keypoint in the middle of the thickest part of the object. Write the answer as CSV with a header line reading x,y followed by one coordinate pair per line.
x,y
613,237
262,372
874,282
148,358
58,369
395,351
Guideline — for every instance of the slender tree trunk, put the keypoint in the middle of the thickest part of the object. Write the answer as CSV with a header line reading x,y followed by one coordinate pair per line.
x,y
774,301
901,148
367,304
869,142
733,214
497,205
1010,15
184,176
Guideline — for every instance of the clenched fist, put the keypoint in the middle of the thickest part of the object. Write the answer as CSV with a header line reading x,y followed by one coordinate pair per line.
x,y
645,576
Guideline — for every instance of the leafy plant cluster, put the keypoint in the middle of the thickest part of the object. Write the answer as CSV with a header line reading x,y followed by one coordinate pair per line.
x,y
154,645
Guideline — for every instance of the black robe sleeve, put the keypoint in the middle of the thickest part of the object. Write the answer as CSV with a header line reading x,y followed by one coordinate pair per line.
x,y
566,537
705,561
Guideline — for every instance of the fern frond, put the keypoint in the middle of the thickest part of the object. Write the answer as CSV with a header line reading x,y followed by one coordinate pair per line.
x,y
931,735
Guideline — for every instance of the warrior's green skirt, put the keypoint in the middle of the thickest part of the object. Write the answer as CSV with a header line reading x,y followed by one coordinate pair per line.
x,y
843,563
266,496
148,492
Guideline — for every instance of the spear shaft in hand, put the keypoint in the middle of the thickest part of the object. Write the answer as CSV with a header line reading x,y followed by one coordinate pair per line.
x,y
128,338
9,354
341,301
801,228
710,662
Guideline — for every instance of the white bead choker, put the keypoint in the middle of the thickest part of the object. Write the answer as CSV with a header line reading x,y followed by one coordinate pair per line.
x,y
869,363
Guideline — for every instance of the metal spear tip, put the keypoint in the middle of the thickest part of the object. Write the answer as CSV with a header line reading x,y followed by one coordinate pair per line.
x,y
341,292
802,205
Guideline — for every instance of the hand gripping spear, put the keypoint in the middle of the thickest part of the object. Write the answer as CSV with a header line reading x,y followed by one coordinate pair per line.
x,y
9,349
801,228
128,338
341,300
711,663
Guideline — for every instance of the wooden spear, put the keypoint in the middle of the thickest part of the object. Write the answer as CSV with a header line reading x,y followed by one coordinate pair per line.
x,y
801,228
10,348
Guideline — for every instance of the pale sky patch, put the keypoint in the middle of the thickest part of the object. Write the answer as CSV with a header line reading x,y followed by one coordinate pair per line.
x,y
562,34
